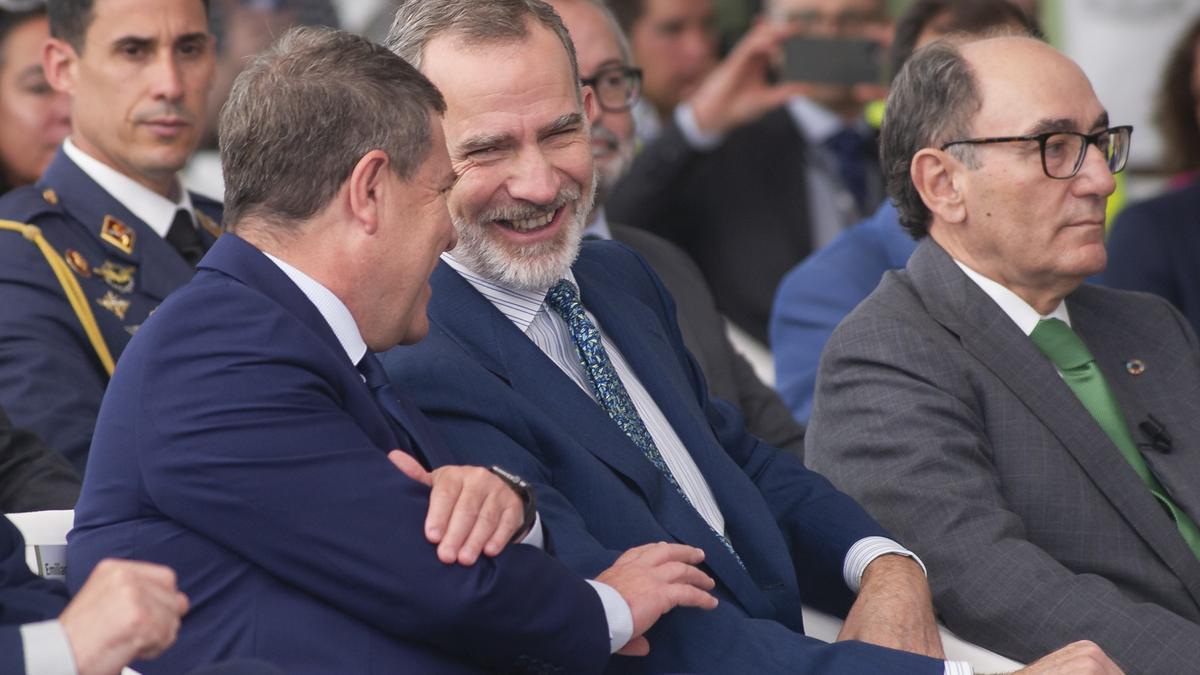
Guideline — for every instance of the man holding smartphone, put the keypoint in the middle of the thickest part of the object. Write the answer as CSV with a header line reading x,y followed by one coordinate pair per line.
x,y
722,179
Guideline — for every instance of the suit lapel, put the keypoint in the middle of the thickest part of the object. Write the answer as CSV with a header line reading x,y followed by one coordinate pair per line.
x,y
992,338
160,269
493,341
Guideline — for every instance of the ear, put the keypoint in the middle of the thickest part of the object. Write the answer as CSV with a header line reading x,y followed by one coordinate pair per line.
x,y
367,186
60,64
591,107
938,177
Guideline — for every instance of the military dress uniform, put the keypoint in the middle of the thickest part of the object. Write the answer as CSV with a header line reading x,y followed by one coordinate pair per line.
x,y
79,273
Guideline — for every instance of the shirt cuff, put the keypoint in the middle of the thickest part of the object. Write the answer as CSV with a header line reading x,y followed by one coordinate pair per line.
x,y
959,668
47,651
864,552
535,537
697,138
616,611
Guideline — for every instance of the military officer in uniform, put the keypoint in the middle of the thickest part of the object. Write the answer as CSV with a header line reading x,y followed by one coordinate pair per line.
x,y
90,250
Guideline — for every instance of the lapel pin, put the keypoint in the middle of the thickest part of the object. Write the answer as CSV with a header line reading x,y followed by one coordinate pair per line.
x,y
118,234
118,277
78,263
50,196
1135,367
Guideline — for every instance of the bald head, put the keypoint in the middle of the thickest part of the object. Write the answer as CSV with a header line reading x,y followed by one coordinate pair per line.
x,y
1005,115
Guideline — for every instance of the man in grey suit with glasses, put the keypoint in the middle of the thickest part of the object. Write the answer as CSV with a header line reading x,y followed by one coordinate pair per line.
x,y
1033,438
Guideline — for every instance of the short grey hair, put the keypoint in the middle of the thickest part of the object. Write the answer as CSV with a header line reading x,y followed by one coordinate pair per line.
x,y
483,22
933,100
306,110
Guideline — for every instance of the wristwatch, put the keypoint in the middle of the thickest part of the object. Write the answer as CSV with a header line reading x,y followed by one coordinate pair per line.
x,y
525,492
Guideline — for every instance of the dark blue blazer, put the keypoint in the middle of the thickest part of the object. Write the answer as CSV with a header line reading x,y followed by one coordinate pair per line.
x,y
51,380
1154,246
24,598
817,294
499,399
238,445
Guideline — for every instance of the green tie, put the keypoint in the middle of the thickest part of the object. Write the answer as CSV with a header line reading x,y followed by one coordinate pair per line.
x,y
1068,353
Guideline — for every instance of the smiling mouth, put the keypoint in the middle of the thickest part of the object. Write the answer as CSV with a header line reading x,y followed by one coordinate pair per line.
x,y
529,224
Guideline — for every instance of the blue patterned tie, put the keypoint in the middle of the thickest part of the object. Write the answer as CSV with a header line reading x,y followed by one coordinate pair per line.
x,y
607,386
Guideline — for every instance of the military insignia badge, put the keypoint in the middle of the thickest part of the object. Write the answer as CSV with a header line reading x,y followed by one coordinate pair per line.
x,y
118,234
50,196
118,277
114,303
78,263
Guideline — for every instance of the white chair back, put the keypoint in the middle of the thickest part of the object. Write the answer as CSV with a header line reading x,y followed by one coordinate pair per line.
x,y
45,535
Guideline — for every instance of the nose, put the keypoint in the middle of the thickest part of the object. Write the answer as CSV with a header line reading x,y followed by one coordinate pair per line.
x,y
1094,177
697,46
168,78
534,178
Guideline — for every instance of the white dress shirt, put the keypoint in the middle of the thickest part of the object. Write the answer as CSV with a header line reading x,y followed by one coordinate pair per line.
x,y
152,208
1024,315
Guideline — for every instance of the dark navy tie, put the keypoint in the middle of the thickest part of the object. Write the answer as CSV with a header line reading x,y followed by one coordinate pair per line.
x,y
183,237
847,148
607,386
381,387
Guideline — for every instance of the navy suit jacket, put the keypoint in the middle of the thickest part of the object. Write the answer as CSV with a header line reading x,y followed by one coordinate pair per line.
x,y
51,380
501,400
818,293
1154,247
24,598
239,445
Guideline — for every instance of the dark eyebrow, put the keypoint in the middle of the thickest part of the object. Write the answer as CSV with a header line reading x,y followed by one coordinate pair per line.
x,y
1052,125
483,142
605,65
133,41
563,123
191,37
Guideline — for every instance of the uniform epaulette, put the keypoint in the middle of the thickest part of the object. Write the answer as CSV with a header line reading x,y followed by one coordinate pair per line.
x,y
26,203
70,286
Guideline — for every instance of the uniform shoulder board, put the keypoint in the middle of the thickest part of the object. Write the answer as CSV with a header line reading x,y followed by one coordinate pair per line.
x,y
25,204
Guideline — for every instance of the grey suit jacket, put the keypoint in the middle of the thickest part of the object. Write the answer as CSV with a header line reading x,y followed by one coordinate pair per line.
x,y
941,417
728,373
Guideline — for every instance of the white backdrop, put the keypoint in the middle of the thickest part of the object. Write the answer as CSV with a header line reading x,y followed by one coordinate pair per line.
x,y
1123,45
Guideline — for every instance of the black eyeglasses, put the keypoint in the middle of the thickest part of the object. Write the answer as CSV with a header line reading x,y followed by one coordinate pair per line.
x,y
1063,151
617,87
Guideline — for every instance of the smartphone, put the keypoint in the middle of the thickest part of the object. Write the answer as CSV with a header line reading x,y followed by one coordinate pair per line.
x,y
833,60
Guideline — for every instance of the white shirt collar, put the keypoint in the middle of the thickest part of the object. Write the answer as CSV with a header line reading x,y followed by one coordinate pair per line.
x,y
599,225
817,123
332,309
519,306
1025,316
152,208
